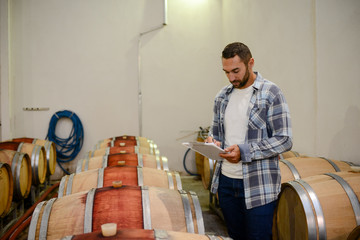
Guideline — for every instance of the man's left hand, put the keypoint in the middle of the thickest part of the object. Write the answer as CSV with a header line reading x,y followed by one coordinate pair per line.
x,y
232,154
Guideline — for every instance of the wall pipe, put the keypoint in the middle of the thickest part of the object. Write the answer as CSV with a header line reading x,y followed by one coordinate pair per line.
x,y
139,65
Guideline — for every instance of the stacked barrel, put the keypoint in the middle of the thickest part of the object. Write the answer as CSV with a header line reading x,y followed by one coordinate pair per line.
x,y
319,199
31,161
124,183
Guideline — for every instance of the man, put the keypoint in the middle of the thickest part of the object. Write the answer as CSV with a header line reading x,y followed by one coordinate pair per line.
x,y
252,123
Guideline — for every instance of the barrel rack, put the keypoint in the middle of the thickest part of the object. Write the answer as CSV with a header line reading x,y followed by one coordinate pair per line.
x,y
18,208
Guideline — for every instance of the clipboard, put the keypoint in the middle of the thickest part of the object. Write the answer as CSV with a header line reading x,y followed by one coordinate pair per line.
x,y
209,150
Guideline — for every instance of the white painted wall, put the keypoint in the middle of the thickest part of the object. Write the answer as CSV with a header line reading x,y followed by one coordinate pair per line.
x,y
338,62
83,56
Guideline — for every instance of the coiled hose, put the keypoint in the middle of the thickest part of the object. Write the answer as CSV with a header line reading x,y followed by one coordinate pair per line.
x,y
66,148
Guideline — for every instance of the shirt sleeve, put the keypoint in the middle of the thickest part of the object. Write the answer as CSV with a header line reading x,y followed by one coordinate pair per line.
x,y
278,131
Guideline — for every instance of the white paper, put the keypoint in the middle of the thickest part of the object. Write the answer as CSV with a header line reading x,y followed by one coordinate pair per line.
x,y
209,150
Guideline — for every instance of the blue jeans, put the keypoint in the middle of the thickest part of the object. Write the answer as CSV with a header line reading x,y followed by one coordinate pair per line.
x,y
242,223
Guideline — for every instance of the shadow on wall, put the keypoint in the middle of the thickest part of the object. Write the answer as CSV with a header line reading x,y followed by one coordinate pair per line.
x,y
345,145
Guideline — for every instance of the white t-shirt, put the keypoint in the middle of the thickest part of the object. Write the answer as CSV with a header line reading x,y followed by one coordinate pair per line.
x,y
236,124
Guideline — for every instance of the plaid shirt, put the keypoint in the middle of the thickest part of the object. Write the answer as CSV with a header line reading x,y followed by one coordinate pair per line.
x,y
269,134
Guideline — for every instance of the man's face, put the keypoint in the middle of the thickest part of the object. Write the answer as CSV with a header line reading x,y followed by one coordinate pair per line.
x,y
236,71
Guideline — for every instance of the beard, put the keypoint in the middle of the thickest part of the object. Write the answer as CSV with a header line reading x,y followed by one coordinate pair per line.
x,y
241,83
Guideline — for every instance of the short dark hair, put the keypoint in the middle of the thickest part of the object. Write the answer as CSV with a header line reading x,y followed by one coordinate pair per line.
x,y
237,48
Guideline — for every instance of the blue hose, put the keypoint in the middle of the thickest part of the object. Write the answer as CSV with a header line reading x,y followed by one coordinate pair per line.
x,y
66,148
184,164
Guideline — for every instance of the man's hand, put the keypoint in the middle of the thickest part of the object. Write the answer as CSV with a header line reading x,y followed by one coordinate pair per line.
x,y
232,155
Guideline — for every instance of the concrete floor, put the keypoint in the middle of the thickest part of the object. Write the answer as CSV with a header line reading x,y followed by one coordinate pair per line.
x,y
214,224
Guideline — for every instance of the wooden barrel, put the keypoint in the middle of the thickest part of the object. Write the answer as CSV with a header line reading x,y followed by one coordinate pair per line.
x,y
143,234
302,167
21,171
114,150
50,150
37,156
130,207
7,188
319,207
129,159
128,140
208,171
129,175
288,154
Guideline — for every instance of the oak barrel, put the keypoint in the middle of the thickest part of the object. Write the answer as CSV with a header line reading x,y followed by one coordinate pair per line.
x,y
208,171
37,156
50,150
129,159
143,234
21,171
7,188
114,150
302,167
129,175
319,207
130,207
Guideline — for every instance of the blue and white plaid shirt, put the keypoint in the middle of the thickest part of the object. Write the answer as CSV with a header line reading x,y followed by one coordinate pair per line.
x,y
269,134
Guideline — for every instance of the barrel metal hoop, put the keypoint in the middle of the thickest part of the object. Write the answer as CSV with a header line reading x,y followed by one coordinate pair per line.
x,y
20,147
350,163
89,211
158,164
16,163
91,154
170,180
70,184
312,231
105,161
100,182
187,211
34,141
79,165
351,195
137,142
281,157
292,168
107,151
62,186
198,213
317,207
160,234
212,237
34,221
87,163
337,169
164,161
67,238
36,155
296,154
140,160
47,147
112,143
152,150
45,219
136,149
146,207
178,181
140,176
